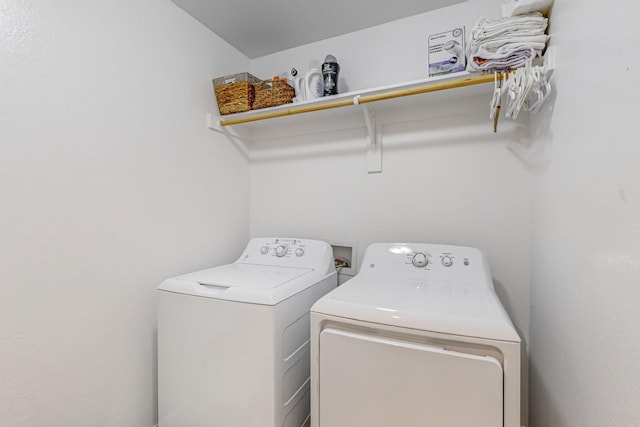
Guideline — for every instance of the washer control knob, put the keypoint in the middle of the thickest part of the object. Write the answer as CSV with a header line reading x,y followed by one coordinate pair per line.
x,y
420,260
447,261
264,250
299,252
281,250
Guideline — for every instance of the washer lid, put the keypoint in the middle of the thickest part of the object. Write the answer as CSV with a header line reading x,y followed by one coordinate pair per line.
x,y
456,308
252,283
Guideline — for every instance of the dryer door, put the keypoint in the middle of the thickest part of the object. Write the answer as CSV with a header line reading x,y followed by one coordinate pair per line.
x,y
370,381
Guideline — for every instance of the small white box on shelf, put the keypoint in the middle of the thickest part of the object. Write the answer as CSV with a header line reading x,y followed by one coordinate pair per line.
x,y
447,52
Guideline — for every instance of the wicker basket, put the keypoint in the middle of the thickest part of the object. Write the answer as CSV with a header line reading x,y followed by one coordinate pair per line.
x,y
235,93
270,93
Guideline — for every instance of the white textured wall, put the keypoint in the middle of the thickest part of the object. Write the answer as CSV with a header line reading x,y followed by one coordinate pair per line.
x,y
446,176
109,182
585,291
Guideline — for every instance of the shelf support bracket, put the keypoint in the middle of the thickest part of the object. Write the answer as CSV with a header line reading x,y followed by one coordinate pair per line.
x,y
374,146
213,123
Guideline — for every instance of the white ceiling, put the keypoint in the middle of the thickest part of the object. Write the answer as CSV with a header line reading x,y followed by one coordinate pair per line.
x,y
262,27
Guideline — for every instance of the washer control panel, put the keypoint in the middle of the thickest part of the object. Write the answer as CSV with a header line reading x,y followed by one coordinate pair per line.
x,y
313,255
283,248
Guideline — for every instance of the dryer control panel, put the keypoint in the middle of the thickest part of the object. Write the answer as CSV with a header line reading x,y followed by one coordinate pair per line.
x,y
425,259
444,262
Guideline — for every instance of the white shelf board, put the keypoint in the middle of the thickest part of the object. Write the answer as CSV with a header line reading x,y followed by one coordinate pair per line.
x,y
348,116
341,118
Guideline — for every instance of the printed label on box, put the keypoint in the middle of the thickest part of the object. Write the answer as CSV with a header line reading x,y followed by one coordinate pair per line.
x,y
447,53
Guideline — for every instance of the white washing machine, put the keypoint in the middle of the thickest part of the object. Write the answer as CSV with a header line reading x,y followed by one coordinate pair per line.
x,y
417,338
233,341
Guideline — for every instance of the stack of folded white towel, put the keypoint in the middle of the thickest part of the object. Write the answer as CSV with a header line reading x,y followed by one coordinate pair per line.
x,y
505,43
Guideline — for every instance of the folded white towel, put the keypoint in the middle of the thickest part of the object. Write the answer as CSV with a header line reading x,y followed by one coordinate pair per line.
x,y
523,35
504,43
506,49
495,27
519,7
509,38
501,41
514,60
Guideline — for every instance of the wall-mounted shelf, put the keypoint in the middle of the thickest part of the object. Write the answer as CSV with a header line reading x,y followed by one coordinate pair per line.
x,y
363,99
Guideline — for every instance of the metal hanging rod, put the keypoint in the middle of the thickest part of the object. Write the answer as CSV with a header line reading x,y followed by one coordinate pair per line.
x,y
363,99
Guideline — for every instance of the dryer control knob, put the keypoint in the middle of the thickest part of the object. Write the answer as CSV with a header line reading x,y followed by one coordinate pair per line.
x,y
281,250
299,252
420,260
264,250
447,261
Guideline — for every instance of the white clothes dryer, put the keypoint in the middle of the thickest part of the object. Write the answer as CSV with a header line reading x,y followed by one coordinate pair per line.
x,y
417,338
233,341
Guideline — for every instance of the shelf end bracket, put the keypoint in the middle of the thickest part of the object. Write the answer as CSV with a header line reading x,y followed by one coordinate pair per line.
x,y
213,123
374,146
